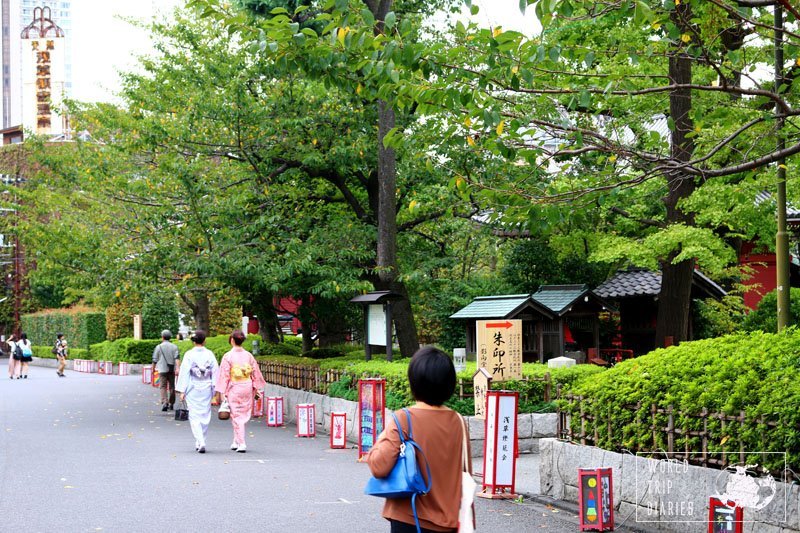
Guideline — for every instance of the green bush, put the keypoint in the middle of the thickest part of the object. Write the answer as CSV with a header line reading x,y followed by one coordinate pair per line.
x,y
754,373
220,344
765,316
398,393
81,327
324,353
43,352
127,350
293,340
159,312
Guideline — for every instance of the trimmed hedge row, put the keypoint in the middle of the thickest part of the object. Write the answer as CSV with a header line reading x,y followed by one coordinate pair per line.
x,y
43,352
81,328
398,393
755,373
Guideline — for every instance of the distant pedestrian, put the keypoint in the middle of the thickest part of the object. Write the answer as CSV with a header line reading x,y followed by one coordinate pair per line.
x,y
239,382
62,351
440,433
14,360
27,354
196,385
165,359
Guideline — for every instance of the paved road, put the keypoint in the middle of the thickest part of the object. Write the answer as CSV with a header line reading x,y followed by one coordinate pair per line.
x,y
95,453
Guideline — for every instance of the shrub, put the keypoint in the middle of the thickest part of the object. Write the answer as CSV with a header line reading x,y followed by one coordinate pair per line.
x,y
765,316
159,312
225,312
80,326
127,350
43,352
119,317
755,373
324,353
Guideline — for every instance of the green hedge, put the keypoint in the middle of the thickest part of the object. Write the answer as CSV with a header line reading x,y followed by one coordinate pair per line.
x,y
398,393
756,373
43,352
127,350
80,328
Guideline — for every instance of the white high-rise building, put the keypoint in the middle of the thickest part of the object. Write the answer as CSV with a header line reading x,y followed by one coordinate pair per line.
x,y
16,55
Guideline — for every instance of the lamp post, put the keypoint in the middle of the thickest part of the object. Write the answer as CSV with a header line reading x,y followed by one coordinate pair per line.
x,y
782,236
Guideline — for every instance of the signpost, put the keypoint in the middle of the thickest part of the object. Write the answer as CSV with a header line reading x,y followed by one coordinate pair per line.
x,y
137,327
481,383
500,348
500,455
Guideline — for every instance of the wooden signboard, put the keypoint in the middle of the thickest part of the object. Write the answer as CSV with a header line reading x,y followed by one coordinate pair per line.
x,y
500,348
481,384
137,327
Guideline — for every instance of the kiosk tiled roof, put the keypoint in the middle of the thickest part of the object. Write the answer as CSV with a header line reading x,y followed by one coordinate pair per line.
x,y
642,282
558,297
493,306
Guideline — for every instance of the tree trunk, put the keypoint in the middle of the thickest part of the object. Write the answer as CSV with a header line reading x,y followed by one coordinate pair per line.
x,y
201,310
262,305
387,212
676,279
306,320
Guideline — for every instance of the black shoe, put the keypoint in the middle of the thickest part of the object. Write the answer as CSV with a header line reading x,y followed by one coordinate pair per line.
x,y
25,376
171,408
202,449
165,407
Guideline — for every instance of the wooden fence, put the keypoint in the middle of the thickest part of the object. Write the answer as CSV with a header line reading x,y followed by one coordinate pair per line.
x,y
465,389
708,439
309,378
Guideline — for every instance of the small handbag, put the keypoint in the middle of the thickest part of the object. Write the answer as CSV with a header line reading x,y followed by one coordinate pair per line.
x,y
466,512
406,479
182,412
224,411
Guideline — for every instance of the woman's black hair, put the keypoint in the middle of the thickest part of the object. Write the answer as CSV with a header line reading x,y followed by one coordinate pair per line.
x,y
432,376
24,336
198,337
238,337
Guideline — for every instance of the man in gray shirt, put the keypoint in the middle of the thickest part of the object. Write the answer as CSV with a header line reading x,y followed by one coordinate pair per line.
x,y
165,358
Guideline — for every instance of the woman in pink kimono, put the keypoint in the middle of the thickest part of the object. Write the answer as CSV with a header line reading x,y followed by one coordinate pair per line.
x,y
238,381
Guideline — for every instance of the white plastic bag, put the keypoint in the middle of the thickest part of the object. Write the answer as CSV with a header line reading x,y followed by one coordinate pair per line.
x,y
466,512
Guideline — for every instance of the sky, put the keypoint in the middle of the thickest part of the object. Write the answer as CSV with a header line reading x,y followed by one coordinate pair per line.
x,y
103,43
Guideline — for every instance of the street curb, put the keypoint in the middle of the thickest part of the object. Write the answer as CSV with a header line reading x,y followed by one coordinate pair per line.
x,y
571,507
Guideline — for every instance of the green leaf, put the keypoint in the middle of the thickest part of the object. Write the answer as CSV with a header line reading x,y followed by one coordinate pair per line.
x,y
390,20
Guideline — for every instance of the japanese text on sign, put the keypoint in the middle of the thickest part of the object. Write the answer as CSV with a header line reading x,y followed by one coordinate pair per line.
x,y
500,348
43,85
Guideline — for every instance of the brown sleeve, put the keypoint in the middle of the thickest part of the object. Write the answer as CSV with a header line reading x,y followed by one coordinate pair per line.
x,y
469,444
383,455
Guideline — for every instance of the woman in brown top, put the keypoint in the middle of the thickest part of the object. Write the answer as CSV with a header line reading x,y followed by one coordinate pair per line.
x,y
439,432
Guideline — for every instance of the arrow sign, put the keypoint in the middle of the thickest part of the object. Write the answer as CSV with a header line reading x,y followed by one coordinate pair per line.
x,y
505,324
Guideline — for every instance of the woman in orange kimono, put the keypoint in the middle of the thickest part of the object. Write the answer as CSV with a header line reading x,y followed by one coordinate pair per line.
x,y
238,381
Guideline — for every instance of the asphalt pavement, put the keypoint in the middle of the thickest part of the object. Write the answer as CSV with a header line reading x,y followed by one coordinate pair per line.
x,y
89,453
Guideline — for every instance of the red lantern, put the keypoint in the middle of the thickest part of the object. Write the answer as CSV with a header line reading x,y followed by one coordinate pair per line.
x,y
123,369
338,430
595,499
274,411
147,374
91,366
371,413
500,455
258,404
306,420
724,517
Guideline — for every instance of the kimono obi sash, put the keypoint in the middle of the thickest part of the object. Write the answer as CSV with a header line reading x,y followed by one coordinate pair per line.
x,y
241,372
201,373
